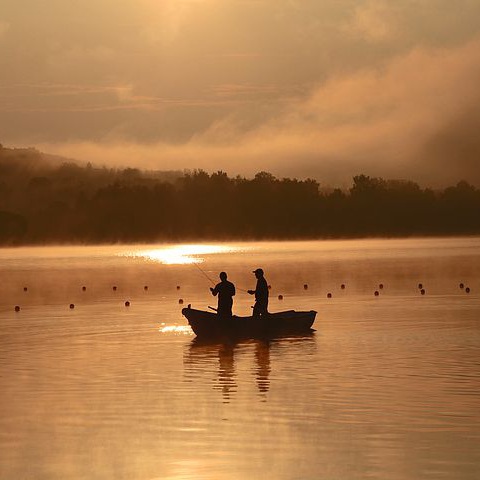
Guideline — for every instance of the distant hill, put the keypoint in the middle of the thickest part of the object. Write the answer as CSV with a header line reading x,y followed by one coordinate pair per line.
x,y
27,160
31,162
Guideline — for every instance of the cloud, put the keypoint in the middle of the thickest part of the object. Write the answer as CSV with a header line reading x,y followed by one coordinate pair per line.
x,y
414,118
373,21
327,89
4,27
169,17
65,60
49,98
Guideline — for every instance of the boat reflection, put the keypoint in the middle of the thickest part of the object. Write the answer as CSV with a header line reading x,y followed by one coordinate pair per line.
x,y
203,357
262,357
226,370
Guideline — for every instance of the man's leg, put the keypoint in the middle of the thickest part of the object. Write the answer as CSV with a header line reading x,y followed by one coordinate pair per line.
x,y
260,310
225,310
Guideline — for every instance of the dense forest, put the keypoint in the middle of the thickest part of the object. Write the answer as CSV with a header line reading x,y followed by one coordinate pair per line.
x,y
45,199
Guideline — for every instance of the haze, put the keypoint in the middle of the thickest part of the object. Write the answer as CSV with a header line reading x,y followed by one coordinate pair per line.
x,y
326,89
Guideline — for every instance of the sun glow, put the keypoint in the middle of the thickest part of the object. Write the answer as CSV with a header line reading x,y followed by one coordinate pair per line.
x,y
182,254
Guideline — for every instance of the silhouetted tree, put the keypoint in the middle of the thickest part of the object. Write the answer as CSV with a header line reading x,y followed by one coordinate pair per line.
x,y
13,228
52,200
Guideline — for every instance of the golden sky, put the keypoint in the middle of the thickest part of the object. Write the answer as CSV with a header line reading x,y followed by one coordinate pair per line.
x,y
323,88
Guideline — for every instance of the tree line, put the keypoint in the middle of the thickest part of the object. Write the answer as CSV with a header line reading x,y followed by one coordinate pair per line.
x,y
42,202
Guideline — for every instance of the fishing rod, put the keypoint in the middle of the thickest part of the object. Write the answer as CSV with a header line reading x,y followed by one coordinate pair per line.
x,y
211,281
204,273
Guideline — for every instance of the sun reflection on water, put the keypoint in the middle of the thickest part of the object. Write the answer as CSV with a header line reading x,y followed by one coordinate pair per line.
x,y
179,329
182,254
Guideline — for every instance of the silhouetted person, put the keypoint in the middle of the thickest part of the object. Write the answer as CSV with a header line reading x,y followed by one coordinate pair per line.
x,y
261,294
225,291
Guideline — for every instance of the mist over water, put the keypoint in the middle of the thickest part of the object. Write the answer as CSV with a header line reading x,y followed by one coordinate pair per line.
x,y
386,387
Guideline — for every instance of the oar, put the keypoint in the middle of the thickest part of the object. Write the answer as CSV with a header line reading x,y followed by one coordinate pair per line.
x,y
211,308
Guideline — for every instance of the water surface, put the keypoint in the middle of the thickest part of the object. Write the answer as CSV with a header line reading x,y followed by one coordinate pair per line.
x,y
387,386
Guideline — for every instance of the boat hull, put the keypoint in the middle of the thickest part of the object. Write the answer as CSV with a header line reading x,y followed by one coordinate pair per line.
x,y
207,325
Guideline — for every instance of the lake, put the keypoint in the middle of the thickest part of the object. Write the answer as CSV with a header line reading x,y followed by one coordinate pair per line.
x,y
387,387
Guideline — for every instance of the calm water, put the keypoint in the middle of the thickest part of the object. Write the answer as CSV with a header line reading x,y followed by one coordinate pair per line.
x,y
388,387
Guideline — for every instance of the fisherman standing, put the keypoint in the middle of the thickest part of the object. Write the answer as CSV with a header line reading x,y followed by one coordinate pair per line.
x,y
225,291
261,294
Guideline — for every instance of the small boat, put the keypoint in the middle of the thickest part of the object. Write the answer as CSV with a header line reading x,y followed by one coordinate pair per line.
x,y
207,324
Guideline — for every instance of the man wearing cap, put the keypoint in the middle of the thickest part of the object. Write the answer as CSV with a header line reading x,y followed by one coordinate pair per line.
x,y
261,294
225,291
